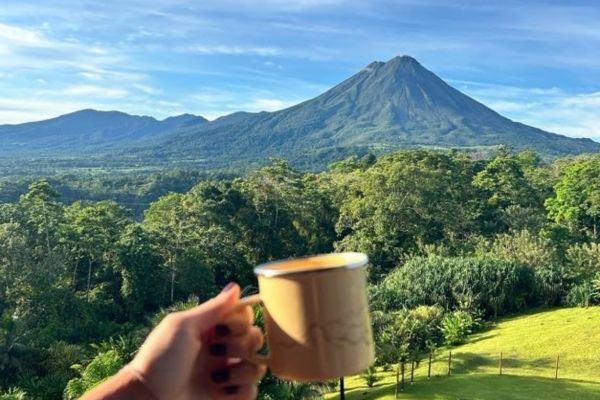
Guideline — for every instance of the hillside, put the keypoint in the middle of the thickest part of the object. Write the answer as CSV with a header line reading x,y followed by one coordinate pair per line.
x,y
87,129
530,344
384,107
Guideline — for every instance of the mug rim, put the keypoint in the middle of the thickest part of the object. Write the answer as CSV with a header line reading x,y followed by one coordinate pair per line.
x,y
351,260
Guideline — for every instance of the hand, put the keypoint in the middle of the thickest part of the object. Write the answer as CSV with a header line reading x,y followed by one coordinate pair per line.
x,y
198,353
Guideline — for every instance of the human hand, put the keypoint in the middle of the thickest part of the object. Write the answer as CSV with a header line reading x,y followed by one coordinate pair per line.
x,y
199,353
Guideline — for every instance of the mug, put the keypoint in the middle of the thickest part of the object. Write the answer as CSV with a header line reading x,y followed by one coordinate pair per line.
x,y
316,316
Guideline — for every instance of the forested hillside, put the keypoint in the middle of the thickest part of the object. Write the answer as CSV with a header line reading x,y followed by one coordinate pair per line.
x,y
453,241
384,107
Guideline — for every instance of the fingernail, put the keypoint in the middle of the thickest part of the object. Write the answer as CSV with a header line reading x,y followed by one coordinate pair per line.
x,y
228,287
218,349
232,389
222,330
220,376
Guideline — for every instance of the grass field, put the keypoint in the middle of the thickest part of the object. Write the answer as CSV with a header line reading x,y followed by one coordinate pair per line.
x,y
529,343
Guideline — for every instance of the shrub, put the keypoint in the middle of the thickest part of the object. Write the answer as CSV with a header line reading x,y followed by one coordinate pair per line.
x,y
13,394
101,367
491,285
456,326
583,262
581,295
370,376
539,253
522,247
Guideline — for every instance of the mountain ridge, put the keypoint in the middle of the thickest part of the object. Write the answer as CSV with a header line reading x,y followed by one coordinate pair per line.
x,y
383,107
89,127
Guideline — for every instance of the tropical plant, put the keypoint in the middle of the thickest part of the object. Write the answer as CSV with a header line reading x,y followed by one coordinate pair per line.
x,y
456,327
13,394
103,366
370,376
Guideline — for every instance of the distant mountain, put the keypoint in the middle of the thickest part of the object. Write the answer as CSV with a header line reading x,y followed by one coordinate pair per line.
x,y
384,107
88,129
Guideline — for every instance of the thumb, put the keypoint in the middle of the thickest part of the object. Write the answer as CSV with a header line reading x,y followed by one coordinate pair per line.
x,y
208,314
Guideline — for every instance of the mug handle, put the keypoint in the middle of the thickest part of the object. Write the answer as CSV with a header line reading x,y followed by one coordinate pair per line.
x,y
252,300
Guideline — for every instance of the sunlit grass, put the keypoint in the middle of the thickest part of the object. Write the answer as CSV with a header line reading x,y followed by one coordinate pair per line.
x,y
529,343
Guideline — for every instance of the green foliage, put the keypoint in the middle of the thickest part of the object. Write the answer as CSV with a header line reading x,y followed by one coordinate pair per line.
x,y
581,295
370,376
456,326
449,236
13,394
577,199
494,286
406,334
539,253
583,261
104,365
404,199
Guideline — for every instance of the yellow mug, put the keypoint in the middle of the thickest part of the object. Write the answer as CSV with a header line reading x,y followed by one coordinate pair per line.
x,y
316,316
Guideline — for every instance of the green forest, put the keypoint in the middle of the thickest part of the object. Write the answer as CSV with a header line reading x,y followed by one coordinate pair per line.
x,y
454,240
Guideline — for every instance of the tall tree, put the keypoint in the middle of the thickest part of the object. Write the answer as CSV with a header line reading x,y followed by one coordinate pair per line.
x,y
90,232
577,200
42,214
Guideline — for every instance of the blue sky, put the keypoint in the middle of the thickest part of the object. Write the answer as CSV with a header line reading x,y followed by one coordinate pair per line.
x,y
537,62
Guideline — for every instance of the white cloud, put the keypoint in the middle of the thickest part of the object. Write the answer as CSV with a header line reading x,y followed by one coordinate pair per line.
x,y
268,104
17,36
147,89
17,110
233,50
551,109
92,76
95,91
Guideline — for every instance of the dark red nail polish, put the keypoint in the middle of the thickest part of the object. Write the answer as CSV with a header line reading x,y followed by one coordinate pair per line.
x,y
218,349
228,287
220,376
222,330
232,389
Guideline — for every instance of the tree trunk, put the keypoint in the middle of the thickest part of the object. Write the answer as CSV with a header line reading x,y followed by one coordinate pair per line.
x,y
172,283
46,228
173,273
74,280
402,373
89,280
397,382
429,368
412,372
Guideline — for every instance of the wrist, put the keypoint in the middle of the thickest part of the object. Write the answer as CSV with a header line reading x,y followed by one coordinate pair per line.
x,y
141,378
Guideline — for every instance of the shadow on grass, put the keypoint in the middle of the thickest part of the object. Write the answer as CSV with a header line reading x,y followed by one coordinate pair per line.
x,y
486,387
463,363
481,336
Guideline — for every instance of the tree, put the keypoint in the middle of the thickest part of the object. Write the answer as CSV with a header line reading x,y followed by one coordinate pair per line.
x,y
403,199
11,350
508,191
90,232
43,213
167,219
577,199
141,272
275,194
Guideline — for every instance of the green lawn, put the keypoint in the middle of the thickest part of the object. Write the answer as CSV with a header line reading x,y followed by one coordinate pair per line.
x,y
529,343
